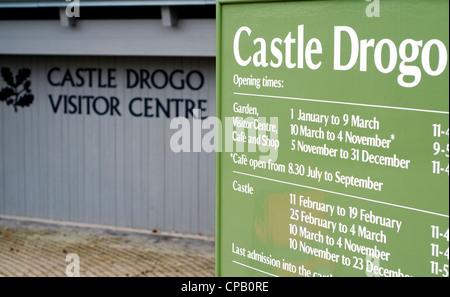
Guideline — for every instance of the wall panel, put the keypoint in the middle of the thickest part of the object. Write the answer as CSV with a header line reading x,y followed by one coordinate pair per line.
x,y
118,169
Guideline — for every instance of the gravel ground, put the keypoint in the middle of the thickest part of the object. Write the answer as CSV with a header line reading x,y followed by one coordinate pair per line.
x,y
40,249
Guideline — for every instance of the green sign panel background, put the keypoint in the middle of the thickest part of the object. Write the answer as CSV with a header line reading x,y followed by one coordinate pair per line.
x,y
345,170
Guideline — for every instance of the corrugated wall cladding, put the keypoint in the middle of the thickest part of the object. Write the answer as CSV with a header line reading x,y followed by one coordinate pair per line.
x,y
58,162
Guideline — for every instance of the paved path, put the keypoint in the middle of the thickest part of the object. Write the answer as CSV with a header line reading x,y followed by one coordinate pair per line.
x,y
39,249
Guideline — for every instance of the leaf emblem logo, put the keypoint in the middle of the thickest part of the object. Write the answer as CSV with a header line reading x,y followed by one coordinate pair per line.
x,y
17,92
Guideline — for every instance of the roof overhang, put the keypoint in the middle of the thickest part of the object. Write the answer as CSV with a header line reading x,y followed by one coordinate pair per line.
x,y
101,3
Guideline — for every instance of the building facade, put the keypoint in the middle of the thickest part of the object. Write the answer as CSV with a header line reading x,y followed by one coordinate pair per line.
x,y
88,91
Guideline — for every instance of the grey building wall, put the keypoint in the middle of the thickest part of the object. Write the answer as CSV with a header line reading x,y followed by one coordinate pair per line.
x,y
136,37
113,166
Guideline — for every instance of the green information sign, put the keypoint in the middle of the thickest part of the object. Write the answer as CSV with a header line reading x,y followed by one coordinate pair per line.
x,y
334,158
